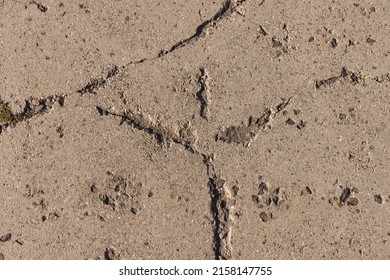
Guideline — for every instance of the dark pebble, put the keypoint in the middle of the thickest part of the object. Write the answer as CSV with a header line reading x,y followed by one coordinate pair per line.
x,y
5,237
354,79
20,242
134,210
378,199
107,200
2,258
309,191
370,41
255,199
263,188
311,39
111,254
301,124
263,216
353,201
150,194
345,195
94,188
342,116
290,121
333,42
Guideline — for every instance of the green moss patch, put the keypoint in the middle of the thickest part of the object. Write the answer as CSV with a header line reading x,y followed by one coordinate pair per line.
x,y
7,116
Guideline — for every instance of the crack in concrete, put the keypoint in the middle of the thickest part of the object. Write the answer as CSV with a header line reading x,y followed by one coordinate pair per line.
x,y
228,8
204,95
352,77
223,201
186,136
245,134
96,83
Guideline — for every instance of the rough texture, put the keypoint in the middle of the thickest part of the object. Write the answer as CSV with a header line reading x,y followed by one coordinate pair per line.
x,y
191,130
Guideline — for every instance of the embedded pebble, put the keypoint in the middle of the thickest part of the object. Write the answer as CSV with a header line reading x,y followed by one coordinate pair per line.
x,y
111,254
345,195
378,199
263,216
353,201
5,237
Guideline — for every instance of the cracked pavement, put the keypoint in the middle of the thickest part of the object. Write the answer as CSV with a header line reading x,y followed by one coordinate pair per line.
x,y
149,130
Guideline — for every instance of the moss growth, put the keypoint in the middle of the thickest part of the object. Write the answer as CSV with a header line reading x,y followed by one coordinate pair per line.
x,y
7,116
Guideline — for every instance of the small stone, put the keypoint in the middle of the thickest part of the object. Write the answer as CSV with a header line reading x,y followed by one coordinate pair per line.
x,y
2,258
94,189
20,242
150,194
262,31
308,190
378,199
333,42
275,43
111,254
134,210
370,41
5,237
290,121
107,200
355,190
353,201
345,195
301,124
255,199
296,111
311,39
263,188
276,200
263,216
342,116
354,79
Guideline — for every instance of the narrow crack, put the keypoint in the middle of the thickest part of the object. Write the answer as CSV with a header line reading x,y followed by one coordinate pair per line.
x,y
352,77
186,136
223,202
96,83
245,134
204,95
228,7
